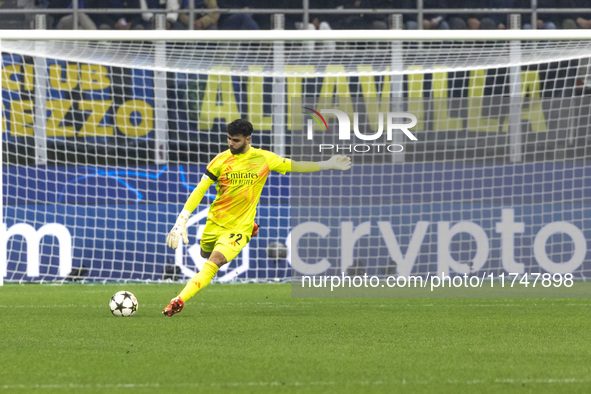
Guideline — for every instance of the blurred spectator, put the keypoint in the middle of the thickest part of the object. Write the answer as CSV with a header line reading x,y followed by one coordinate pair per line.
x,y
500,21
171,7
458,21
236,21
19,21
290,19
575,20
472,21
395,5
265,20
545,21
295,21
361,20
372,21
431,21
202,21
54,18
120,21
91,21
318,22
85,22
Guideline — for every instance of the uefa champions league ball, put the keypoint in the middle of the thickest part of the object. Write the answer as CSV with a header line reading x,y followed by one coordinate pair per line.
x,y
123,303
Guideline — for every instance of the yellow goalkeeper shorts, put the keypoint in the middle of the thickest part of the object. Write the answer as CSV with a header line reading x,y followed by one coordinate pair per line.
x,y
220,239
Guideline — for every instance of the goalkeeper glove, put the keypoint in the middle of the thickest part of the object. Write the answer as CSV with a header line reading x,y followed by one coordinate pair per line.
x,y
179,230
337,162
255,229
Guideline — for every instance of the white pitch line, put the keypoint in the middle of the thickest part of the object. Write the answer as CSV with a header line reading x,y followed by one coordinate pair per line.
x,y
157,385
405,382
543,381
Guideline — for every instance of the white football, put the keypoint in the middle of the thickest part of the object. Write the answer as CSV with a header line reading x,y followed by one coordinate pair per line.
x,y
123,303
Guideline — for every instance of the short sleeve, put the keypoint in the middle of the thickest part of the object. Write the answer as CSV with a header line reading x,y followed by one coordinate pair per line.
x,y
277,163
214,167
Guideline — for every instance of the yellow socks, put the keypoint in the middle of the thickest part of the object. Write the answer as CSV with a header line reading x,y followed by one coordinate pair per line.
x,y
199,281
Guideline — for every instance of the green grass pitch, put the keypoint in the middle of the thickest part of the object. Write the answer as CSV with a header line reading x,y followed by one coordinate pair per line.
x,y
256,338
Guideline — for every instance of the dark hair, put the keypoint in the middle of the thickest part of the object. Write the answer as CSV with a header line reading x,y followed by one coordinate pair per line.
x,y
240,126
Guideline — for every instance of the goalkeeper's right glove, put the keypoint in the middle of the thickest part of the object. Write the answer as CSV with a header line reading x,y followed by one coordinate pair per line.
x,y
179,230
337,162
255,229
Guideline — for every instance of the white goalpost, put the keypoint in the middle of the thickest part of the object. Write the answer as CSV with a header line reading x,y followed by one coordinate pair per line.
x,y
470,151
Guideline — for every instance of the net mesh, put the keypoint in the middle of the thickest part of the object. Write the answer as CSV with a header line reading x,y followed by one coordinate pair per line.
x,y
237,58
104,141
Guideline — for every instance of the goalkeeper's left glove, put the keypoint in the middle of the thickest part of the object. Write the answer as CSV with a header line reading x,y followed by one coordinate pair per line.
x,y
337,162
179,230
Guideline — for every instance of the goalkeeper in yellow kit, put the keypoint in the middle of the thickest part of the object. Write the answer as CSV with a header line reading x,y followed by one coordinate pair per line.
x,y
240,174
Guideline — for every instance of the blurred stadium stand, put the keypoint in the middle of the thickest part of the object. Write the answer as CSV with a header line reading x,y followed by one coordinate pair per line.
x,y
17,20
19,14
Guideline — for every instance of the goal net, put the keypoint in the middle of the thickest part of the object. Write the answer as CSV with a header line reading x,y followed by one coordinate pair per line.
x,y
470,154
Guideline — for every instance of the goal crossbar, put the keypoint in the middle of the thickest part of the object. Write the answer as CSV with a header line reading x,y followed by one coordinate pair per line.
x,y
297,35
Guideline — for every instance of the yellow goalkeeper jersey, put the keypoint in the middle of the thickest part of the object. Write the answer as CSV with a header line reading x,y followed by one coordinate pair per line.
x,y
239,182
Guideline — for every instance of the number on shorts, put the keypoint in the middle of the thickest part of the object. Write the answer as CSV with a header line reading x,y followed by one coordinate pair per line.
x,y
238,237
